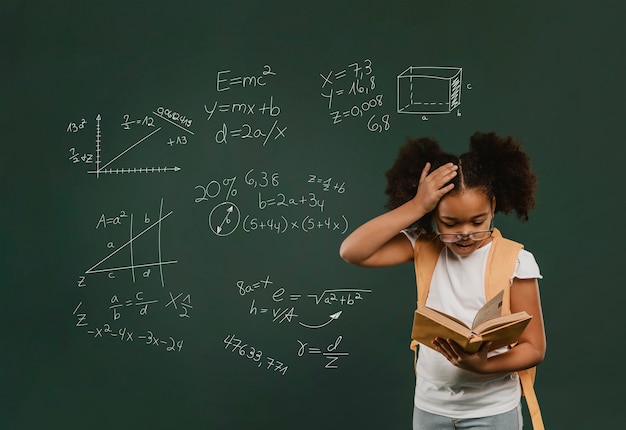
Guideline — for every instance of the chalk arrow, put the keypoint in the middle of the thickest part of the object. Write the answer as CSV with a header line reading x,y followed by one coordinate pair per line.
x,y
226,219
333,317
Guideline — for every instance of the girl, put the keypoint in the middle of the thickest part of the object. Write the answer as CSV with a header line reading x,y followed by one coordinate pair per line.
x,y
433,194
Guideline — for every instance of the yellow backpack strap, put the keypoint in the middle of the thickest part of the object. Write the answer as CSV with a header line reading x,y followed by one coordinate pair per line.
x,y
500,267
527,379
425,254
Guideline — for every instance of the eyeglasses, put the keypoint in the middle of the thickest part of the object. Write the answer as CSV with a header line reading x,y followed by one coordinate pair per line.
x,y
475,236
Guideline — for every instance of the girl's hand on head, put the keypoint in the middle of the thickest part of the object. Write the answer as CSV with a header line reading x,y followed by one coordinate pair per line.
x,y
431,185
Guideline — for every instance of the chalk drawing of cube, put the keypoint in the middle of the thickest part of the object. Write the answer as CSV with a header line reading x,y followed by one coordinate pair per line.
x,y
429,90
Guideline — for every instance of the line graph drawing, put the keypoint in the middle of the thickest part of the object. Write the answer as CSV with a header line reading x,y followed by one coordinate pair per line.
x,y
132,266
102,167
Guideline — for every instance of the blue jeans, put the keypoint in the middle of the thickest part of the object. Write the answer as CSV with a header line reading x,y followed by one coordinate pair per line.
x,y
511,420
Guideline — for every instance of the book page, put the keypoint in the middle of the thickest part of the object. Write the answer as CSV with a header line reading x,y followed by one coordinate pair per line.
x,y
506,334
497,323
491,309
456,320
429,324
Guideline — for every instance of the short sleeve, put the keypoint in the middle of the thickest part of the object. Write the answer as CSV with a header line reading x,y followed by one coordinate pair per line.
x,y
526,267
411,234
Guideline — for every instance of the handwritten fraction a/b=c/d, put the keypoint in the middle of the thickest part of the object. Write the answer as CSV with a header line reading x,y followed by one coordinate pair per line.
x,y
246,112
226,215
119,306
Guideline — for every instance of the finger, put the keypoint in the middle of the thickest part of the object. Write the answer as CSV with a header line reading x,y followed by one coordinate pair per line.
x,y
446,167
443,174
437,344
446,189
444,348
456,348
449,170
425,171
485,347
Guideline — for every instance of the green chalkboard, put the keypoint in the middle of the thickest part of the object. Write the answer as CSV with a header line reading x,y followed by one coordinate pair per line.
x,y
176,179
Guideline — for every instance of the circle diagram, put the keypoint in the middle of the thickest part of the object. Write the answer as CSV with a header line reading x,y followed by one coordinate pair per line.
x,y
224,218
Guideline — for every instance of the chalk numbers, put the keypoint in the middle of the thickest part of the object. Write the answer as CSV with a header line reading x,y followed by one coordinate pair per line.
x,y
75,127
261,179
78,157
180,140
250,352
357,80
377,126
327,183
213,189
147,121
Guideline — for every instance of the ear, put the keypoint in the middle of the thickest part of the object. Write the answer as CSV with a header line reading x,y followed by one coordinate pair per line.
x,y
493,204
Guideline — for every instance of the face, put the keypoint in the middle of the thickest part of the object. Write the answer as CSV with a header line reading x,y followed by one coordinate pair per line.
x,y
465,212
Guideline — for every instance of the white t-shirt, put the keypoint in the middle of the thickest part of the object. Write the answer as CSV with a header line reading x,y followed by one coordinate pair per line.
x,y
457,288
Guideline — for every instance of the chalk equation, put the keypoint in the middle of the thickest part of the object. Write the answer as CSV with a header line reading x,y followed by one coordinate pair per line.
x,y
264,111
273,304
178,132
142,305
123,334
254,354
281,225
282,306
327,183
264,188
332,352
117,306
355,86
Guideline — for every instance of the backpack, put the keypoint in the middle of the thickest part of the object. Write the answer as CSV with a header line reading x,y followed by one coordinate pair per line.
x,y
500,267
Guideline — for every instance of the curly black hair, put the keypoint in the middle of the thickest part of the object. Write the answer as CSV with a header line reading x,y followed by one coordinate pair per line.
x,y
495,164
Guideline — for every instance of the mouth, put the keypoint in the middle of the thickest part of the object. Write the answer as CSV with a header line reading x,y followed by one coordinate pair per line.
x,y
464,246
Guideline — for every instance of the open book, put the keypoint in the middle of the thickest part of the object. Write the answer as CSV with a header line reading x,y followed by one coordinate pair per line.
x,y
489,325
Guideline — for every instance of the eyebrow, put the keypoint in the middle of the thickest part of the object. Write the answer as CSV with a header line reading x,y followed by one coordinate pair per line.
x,y
450,218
